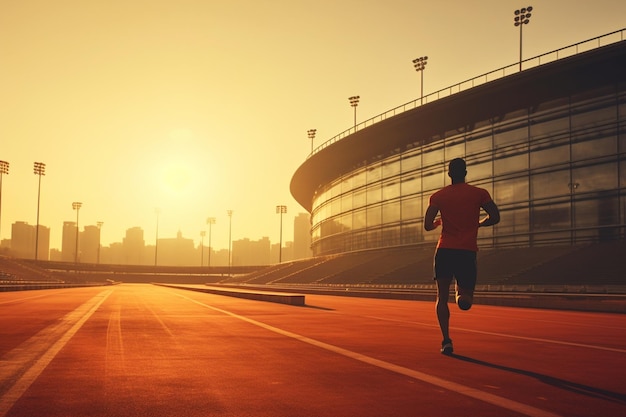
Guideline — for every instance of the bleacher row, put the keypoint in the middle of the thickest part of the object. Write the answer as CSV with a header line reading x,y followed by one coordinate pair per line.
x,y
16,270
593,264
596,264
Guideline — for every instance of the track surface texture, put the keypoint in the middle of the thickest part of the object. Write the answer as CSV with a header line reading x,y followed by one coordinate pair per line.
x,y
144,350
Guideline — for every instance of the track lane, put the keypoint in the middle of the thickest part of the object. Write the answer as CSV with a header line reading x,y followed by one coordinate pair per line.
x,y
151,351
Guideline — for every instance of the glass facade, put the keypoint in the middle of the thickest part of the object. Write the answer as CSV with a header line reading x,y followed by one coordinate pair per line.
x,y
557,172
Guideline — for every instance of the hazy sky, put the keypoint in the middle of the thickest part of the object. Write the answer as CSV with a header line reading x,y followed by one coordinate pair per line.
x,y
202,106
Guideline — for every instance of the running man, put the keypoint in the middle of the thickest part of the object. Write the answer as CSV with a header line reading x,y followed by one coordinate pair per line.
x,y
455,256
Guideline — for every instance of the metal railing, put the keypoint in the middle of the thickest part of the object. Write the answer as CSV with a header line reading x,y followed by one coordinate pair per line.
x,y
580,47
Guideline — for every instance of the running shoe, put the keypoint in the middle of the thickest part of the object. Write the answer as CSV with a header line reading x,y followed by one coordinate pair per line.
x,y
464,301
446,347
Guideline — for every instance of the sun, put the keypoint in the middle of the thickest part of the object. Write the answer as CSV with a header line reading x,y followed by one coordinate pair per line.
x,y
176,177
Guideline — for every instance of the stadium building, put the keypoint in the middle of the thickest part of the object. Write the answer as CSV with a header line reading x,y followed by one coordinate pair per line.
x,y
548,142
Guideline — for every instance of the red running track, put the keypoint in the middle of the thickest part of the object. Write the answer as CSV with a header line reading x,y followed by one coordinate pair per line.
x,y
142,350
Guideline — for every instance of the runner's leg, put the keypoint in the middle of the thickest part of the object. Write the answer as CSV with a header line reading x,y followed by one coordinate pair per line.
x,y
466,280
443,312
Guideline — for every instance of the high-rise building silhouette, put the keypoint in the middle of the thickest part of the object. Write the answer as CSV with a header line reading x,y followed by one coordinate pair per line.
x,y
23,241
133,246
68,242
248,252
89,243
302,236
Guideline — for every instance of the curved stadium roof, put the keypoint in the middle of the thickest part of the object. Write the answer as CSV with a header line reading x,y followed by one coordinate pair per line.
x,y
418,126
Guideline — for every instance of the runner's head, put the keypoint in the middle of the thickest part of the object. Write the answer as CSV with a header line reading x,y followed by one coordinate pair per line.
x,y
457,170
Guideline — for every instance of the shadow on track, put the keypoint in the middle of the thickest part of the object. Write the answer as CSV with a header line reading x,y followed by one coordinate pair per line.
x,y
556,382
318,307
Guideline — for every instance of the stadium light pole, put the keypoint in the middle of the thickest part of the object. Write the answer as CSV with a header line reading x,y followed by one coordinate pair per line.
x,y
99,224
354,101
281,210
156,239
202,235
522,17
210,221
40,169
4,169
420,65
311,133
230,240
76,205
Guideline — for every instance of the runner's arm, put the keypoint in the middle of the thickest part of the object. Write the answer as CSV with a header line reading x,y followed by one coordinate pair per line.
x,y
429,218
493,215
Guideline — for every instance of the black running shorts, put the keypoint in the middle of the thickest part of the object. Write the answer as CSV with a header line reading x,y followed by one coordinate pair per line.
x,y
456,263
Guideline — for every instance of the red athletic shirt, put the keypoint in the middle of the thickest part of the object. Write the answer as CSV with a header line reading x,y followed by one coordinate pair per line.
x,y
459,205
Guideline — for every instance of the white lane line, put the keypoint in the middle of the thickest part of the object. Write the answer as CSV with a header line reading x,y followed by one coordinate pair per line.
x,y
76,319
17,300
556,342
501,402
510,336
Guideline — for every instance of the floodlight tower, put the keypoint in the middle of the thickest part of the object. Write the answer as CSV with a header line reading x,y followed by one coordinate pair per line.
x,y
40,169
4,169
311,133
230,239
420,65
156,239
281,210
76,205
202,235
522,17
354,101
210,221
99,224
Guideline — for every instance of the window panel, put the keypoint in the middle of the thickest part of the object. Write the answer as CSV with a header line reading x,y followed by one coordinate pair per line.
x,y
551,217
455,151
335,189
358,220
433,155
513,221
597,212
479,171
597,117
548,127
551,184
374,216
391,236
477,145
549,157
374,194
411,208
391,190
594,148
391,168
346,184
433,180
358,198
358,180
335,207
346,202
391,212
345,222
411,162
411,233
374,173
503,138
410,185
326,227
511,164
595,178
511,191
